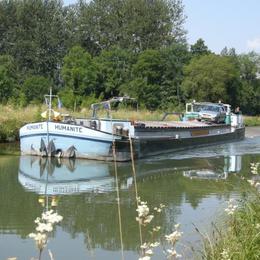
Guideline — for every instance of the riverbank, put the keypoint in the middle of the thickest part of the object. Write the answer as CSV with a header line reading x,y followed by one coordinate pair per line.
x,y
252,120
240,236
11,119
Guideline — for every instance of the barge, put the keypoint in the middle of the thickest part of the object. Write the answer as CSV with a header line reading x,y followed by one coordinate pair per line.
x,y
111,139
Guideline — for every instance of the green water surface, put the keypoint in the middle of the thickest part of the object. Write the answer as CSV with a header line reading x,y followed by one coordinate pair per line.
x,y
194,185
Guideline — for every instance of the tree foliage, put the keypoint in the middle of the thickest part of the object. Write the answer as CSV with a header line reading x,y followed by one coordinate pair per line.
x,y
199,48
130,24
158,75
33,33
8,81
210,77
114,71
35,87
98,49
249,93
79,71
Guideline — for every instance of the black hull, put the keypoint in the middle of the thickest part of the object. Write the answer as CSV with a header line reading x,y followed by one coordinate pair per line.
x,y
148,147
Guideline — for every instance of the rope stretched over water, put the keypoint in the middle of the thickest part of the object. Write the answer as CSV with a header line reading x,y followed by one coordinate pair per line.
x,y
117,192
118,201
135,183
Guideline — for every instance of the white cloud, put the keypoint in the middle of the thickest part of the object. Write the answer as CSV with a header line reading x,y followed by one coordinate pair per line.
x,y
254,44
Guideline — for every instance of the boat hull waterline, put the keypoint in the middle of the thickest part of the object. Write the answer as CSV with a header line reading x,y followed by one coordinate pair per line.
x,y
69,140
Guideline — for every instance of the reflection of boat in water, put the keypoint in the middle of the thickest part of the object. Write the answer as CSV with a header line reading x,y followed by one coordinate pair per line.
x,y
53,176
204,174
231,164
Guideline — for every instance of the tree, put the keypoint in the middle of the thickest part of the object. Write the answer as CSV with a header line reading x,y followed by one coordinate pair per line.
x,y
130,24
199,48
158,75
146,85
228,52
35,87
174,58
114,71
8,81
33,32
79,72
211,78
249,93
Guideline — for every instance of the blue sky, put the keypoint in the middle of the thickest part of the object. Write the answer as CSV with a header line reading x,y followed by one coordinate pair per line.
x,y
220,23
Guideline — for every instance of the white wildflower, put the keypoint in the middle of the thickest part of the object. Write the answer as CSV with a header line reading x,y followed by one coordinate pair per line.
x,y
171,253
225,254
254,168
156,229
162,206
144,246
231,207
251,182
40,239
148,219
143,214
144,258
257,226
257,185
155,244
37,220
173,237
176,226
142,210
51,217
149,252
158,209
44,227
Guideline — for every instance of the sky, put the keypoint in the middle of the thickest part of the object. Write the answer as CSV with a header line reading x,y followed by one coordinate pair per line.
x,y
222,23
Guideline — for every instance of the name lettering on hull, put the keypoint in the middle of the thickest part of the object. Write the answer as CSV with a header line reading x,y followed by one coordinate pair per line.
x,y
75,129
34,127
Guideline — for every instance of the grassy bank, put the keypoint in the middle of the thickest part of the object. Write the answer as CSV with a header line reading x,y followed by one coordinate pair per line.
x,y
252,120
238,237
11,119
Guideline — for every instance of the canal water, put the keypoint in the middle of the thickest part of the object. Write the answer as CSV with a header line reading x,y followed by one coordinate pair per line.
x,y
194,185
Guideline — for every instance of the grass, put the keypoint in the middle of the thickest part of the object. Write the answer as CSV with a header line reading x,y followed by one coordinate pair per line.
x,y
252,120
11,119
11,148
240,237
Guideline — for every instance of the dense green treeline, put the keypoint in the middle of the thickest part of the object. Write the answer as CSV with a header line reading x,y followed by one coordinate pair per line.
x,y
104,48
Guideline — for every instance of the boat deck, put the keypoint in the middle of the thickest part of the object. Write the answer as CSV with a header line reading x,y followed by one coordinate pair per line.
x,y
175,124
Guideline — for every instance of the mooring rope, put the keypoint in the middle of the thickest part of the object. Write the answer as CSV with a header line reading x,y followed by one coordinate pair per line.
x,y
135,183
118,201
117,189
46,188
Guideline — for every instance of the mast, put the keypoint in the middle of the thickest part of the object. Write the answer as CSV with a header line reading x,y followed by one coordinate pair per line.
x,y
49,118
50,103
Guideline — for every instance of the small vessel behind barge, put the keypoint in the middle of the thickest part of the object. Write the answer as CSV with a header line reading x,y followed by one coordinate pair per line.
x,y
94,138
